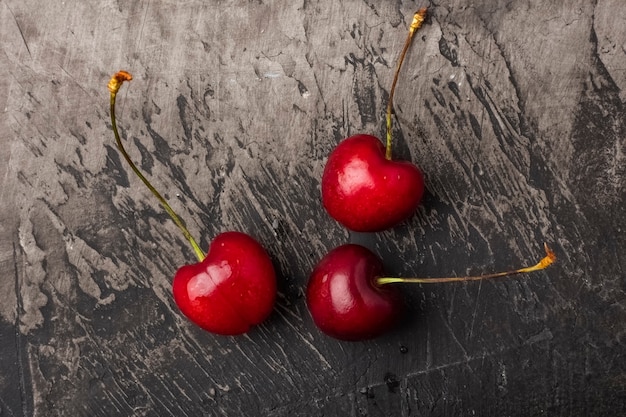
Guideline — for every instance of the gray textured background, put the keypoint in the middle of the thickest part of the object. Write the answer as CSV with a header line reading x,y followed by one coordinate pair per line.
x,y
514,110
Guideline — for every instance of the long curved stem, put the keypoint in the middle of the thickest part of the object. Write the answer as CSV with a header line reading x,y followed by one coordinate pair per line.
x,y
548,260
418,19
114,85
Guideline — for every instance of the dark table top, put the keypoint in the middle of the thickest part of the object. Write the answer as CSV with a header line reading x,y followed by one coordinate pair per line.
x,y
515,112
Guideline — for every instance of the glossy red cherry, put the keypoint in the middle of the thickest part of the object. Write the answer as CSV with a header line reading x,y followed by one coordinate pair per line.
x,y
231,290
366,192
362,187
349,297
343,298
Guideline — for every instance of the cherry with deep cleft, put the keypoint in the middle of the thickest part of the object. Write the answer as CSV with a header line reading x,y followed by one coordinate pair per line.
x,y
363,188
233,287
350,298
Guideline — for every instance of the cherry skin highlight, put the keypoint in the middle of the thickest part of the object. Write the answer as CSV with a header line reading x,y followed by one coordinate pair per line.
x,y
231,290
365,191
344,300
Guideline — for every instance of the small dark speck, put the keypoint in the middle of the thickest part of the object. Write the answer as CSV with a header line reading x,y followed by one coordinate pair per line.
x,y
302,89
404,349
367,392
88,125
392,382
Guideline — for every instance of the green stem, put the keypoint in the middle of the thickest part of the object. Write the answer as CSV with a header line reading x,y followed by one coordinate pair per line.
x,y
418,19
545,262
199,253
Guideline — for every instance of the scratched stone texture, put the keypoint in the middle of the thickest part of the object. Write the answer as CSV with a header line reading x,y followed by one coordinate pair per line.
x,y
515,111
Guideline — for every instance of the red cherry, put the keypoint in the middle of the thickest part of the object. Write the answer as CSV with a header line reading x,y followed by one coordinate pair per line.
x,y
362,188
350,299
344,299
365,191
231,290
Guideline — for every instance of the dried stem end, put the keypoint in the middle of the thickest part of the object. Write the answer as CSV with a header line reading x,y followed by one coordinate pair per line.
x,y
418,19
117,80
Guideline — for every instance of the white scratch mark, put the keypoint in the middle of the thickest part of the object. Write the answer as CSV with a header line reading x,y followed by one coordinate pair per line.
x,y
311,346
480,286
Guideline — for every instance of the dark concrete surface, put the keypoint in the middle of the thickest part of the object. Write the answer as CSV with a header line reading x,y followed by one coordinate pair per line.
x,y
515,111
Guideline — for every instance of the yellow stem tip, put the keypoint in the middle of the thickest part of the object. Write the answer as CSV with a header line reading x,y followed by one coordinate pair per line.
x,y
117,80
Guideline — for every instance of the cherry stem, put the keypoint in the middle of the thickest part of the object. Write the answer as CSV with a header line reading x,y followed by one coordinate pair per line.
x,y
418,19
114,85
548,260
